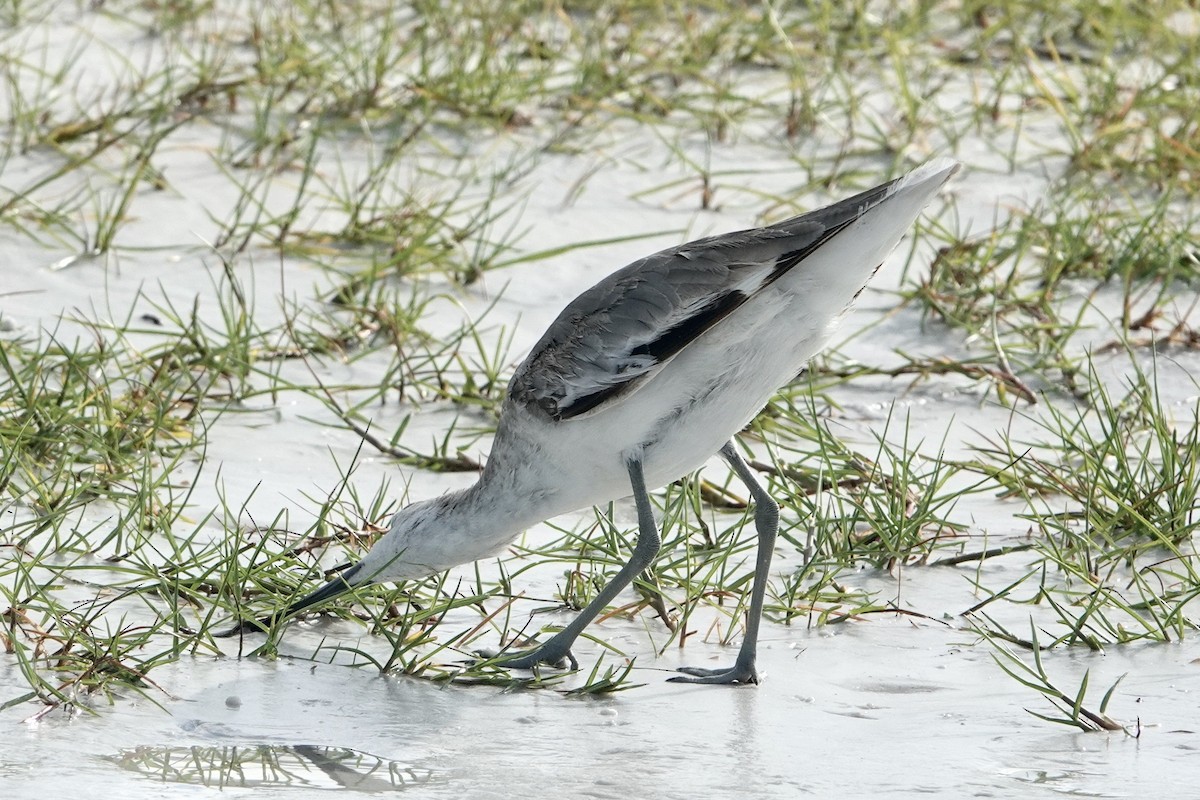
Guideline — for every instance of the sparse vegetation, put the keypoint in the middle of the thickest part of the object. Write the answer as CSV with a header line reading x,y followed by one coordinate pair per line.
x,y
297,221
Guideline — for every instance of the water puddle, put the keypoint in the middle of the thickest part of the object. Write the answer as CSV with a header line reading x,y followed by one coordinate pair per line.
x,y
270,766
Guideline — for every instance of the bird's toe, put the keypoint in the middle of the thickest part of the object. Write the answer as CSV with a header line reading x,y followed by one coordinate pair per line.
x,y
733,675
537,657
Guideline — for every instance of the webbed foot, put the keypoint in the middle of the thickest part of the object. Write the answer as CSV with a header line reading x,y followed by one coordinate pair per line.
x,y
737,674
548,654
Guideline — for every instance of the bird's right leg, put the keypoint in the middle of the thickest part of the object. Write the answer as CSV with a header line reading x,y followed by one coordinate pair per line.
x,y
557,649
766,521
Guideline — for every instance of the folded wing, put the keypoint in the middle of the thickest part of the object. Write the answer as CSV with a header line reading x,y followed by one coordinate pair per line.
x,y
618,334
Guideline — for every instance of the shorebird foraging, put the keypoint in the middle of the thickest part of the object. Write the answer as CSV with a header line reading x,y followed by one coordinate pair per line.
x,y
640,380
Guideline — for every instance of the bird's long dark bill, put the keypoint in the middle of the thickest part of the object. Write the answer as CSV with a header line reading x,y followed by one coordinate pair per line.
x,y
338,585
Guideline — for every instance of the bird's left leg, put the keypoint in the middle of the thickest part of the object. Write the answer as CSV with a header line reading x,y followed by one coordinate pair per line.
x,y
557,648
766,520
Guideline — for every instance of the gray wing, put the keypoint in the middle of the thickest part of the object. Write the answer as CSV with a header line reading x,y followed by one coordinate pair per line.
x,y
623,330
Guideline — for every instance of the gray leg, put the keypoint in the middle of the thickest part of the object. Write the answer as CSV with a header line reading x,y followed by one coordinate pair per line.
x,y
766,520
558,648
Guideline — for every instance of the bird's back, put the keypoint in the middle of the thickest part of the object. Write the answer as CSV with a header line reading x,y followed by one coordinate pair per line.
x,y
616,336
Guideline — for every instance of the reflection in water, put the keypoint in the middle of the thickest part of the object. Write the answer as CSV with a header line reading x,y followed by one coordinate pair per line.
x,y
266,765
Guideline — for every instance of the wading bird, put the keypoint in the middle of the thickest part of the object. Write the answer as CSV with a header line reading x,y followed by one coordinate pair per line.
x,y
639,381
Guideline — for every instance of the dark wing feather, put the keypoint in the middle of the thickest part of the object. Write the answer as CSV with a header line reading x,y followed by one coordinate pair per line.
x,y
624,329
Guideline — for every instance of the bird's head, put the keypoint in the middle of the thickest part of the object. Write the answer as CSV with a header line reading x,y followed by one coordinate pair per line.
x,y
424,538
408,550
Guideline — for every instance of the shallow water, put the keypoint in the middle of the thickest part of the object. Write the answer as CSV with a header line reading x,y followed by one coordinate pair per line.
x,y
890,708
